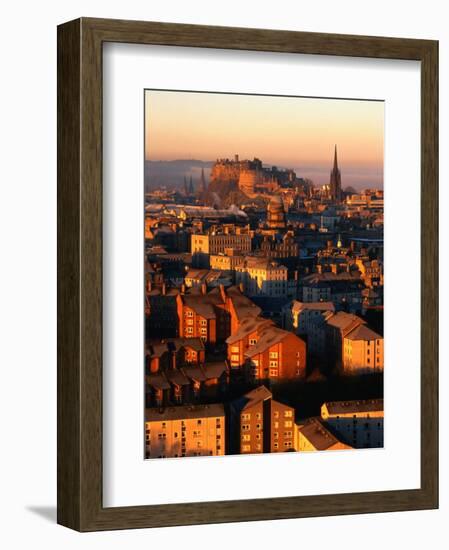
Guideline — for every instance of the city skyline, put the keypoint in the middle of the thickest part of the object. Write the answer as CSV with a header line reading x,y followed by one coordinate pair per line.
x,y
290,132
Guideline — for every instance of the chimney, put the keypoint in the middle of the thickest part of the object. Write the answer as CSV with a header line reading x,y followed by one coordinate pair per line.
x,y
203,288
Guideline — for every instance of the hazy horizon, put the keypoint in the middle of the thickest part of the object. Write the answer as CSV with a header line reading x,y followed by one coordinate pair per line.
x,y
289,132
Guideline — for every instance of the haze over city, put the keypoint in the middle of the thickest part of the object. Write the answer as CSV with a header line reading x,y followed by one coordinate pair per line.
x,y
290,132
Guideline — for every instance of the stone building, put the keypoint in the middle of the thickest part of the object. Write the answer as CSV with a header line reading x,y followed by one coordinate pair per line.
x,y
363,351
259,424
276,213
185,431
212,315
358,423
275,355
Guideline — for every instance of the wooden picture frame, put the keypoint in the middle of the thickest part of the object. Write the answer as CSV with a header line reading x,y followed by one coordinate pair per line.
x,y
80,504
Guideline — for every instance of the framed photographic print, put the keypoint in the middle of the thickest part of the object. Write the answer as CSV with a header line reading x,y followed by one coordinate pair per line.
x,y
247,288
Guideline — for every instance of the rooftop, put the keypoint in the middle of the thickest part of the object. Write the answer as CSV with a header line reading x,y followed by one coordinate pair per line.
x,y
316,306
366,405
343,320
363,332
184,412
248,326
319,436
256,396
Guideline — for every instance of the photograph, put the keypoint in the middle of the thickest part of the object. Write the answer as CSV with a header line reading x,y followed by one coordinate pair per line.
x,y
264,274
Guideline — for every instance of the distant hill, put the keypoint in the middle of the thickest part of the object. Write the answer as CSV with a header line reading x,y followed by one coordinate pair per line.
x,y
170,173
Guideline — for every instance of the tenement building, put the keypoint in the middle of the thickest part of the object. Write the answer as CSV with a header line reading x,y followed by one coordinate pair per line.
x,y
212,315
358,423
259,424
185,431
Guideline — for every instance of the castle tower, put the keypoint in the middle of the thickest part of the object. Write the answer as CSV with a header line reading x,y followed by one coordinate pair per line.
x,y
191,191
335,181
186,190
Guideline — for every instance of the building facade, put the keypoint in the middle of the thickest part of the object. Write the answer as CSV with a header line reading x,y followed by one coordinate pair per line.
x,y
363,351
259,424
185,431
358,423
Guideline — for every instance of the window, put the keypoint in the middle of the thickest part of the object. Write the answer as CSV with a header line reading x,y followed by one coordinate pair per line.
x,y
258,426
203,322
273,364
276,445
189,330
276,414
287,443
245,427
288,424
189,314
235,349
276,435
287,434
246,448
203,330
246,416
235,358
275,424
246,437
252,341
288,414
258,416
273,354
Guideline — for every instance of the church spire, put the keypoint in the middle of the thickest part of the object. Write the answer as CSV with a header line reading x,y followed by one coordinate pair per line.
x,y
203,181
335,180
335,158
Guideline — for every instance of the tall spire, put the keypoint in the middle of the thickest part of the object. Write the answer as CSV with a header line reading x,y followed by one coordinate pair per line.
x,y
335,158
191,191
335,180
203,181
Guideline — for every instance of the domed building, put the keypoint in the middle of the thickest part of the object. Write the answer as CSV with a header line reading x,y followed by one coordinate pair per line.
x,y
276,213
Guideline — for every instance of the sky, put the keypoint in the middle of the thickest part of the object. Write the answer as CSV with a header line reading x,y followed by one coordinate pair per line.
x,y
289,132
